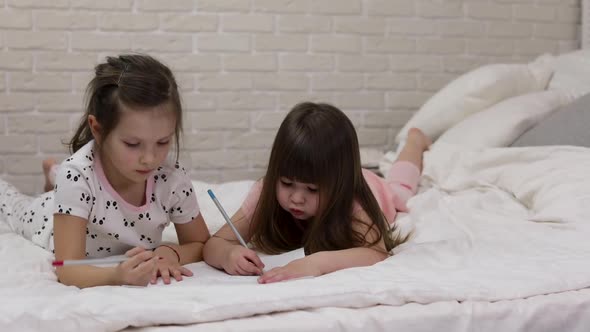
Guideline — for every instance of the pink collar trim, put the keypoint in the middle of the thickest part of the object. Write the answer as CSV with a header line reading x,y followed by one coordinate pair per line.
x,y
104,182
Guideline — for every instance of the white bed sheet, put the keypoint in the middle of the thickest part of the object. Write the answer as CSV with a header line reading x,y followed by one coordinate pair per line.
x,y
495,230
568,311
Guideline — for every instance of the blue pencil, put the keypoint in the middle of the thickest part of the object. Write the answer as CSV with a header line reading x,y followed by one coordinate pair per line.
x,y
226,217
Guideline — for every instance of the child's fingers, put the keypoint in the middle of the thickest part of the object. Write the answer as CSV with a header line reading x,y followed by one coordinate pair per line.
x,y
154,276
242,272
185,272
165,274
148,266
176,274
139,258
252,257
249,267
269,275
275,278
264,279
272,272
134,251
146,269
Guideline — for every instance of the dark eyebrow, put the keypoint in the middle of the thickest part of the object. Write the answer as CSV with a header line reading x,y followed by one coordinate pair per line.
x,y
139,139
167,137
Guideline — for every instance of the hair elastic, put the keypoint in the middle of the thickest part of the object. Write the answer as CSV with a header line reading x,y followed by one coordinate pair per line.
x,y
122,72
175,251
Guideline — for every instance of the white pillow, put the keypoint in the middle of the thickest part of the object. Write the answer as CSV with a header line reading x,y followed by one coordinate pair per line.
x,y
502,123
572,73
475,91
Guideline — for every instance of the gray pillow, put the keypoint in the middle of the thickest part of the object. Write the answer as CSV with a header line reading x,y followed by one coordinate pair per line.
x,y
568,126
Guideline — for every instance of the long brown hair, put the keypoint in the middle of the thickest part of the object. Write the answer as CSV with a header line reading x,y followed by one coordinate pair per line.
x,y
133,80
317,143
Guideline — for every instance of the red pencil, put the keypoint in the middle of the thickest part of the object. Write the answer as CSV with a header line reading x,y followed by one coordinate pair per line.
x,y
92,261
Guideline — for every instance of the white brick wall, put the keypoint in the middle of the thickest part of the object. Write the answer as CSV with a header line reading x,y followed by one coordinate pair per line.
x,y
242,64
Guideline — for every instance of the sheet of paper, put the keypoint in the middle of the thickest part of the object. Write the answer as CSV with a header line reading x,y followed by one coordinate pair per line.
x,y
204,273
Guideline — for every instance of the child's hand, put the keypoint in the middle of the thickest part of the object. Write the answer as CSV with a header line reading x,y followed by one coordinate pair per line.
x,y
242,261
296,269
168,265
138,269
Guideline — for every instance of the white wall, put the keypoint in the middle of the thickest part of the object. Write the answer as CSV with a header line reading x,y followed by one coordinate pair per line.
x,y
243,63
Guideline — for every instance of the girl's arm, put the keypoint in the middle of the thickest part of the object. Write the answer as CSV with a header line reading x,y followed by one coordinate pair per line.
x,y
70,243
324,262
191,240
330,261
223,250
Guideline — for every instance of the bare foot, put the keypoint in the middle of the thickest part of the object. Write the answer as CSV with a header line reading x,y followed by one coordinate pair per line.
x,y
416,136
49,178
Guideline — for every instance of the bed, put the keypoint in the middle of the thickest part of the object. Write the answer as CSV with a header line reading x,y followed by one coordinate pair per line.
x,y
501,243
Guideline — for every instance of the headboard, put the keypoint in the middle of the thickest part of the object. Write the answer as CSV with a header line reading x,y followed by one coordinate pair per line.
x,y
585,23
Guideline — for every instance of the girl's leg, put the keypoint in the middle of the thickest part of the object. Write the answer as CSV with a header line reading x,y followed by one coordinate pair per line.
x,y
50,171
28,216
416,144
404,175
15,209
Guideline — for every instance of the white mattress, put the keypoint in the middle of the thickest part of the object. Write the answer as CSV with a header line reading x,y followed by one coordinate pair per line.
x,y
496,231
567,311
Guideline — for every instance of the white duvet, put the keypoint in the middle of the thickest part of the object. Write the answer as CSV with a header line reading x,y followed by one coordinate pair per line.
x,y
489,225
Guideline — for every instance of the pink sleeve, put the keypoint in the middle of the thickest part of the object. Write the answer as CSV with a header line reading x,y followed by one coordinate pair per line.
x,y
403,178
251,200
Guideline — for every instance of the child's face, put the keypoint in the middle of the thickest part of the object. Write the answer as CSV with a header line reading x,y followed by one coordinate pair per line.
x,y
139,143
298,198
